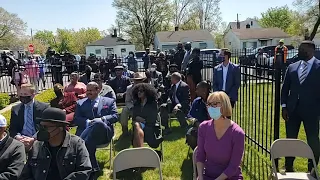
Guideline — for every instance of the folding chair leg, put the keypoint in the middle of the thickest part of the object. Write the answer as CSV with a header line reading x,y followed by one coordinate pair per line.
x,y
161,149
188,152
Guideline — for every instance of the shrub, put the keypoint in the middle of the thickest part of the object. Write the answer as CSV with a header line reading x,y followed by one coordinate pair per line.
x,y
46,96
4,100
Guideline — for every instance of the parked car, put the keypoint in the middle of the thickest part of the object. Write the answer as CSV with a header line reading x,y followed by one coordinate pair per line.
x,y
210,57
250,57
292,54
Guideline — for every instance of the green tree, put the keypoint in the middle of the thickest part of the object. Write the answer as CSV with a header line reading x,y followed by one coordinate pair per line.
x,y
64,40
280,17
45,37
141,19
83,37
10,23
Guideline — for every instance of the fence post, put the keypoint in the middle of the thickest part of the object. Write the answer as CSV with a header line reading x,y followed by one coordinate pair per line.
x,y
279,63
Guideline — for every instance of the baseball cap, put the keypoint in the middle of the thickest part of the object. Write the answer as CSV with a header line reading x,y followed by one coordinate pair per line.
x,y
281,41
3,121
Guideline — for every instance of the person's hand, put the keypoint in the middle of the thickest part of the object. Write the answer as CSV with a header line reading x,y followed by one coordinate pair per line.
x,y
200,178
18,137
27,141
176,108
285,115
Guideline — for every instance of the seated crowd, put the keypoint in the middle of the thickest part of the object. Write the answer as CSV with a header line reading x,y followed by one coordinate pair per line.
x,y
91,106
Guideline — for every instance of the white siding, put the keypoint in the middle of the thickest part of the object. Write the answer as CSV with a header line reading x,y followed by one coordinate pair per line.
x,y
116,50
231,41
194,44
270,42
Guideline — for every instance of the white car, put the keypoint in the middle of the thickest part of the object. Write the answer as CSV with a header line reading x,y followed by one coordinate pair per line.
x,y
206,55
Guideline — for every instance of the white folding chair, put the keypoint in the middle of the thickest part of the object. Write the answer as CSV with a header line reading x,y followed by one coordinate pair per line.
x,y
194,163
111,148
291,148
136,157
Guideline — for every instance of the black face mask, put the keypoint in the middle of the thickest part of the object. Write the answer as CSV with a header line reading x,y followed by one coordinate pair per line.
x,y
25,99
44,135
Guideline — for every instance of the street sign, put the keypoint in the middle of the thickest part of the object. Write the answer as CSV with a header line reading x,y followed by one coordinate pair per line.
x,y
31,48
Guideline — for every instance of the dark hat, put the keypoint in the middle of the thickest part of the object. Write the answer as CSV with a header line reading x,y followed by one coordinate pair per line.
x,y
54,115
118,67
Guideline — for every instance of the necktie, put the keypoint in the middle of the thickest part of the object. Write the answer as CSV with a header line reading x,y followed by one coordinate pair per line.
x,y
30,126
303,74
94,109
174,90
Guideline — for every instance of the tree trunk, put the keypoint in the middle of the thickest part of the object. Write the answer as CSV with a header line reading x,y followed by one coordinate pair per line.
x,y
316,26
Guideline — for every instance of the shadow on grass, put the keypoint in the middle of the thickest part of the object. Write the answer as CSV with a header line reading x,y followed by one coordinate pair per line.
x,y
123,142
186,169
130,174
177,133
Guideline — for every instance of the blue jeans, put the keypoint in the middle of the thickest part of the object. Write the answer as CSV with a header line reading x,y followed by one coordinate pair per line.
x,y
96,134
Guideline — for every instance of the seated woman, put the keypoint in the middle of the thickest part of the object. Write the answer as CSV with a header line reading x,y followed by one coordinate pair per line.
x,y
106,90
66,101
75,86
198,111
220,142
146,125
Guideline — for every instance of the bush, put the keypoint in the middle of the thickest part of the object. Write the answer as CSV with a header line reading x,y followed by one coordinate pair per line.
x,y
4,100
46,96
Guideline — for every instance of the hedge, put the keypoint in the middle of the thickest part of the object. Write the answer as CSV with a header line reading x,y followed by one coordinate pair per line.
x,y
45,96
4,100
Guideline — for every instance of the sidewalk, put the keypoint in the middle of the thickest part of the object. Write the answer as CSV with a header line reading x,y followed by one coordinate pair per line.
x,y
8,108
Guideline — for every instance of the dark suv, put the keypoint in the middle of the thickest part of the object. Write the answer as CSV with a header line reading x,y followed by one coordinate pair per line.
x,y
250,56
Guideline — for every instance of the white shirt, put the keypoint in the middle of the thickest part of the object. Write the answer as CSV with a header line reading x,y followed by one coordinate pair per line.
x,y
175,95
309,66
225,73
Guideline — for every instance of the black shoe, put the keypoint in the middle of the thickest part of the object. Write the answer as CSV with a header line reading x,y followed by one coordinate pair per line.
x,y
159,154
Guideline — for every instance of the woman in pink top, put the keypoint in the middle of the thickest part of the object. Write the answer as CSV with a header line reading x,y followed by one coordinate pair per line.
x,y
75,86
220,142
32,70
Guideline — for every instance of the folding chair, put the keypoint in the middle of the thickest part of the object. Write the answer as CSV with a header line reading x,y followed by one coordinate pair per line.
x,y
194,162
111,148
291,148
136,157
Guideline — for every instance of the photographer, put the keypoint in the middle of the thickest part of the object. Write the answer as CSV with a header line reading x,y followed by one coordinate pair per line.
x,y
56,70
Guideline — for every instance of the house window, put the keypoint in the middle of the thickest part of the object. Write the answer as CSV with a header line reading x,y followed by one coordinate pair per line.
x,y
109,51
254,44
98,51
251,23
244,45
202,45
123,50
229,43
264,43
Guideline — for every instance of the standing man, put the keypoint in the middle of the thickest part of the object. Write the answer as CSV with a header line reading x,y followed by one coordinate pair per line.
x,y
23,126
186,57
146,59
56,68
281,48
226,77
193,72
95,116
179,56
300,99
12,154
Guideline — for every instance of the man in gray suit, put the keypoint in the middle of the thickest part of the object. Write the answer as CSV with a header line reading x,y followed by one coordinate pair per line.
x,y
186,58
300,99
226,77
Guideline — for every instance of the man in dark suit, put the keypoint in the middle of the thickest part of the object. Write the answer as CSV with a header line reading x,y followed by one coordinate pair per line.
x,y
226,77
156,76
94,117
178,102
23,115
300,99
119,84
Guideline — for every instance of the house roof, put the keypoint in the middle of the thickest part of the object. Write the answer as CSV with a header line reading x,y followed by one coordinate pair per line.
x,y
259,33
110,41
178,36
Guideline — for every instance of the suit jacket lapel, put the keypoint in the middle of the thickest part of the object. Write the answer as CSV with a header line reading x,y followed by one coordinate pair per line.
x,y
35,113
296,71
21,113
100,104
312,71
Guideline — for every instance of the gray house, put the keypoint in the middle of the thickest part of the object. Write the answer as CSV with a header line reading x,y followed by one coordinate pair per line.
x,y
166,40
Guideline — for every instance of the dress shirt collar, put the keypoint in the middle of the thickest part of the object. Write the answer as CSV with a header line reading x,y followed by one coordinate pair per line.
x,y
309,62
96,100
225,66
6,134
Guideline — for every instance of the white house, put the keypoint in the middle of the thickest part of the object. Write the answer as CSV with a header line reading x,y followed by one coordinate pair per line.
x,y
254,37
166,40
110,45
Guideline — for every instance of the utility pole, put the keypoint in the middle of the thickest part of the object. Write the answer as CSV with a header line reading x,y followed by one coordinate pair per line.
x,y
238,23
31,36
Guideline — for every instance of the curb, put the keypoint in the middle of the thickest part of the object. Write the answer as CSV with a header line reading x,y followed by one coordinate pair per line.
x,y
8,107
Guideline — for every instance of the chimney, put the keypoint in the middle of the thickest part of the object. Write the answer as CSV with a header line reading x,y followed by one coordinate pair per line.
x,y
176,28
238,25
248,26
115,33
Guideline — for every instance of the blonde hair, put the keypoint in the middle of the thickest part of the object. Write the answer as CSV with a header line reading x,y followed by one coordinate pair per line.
x,y
223,98
30,87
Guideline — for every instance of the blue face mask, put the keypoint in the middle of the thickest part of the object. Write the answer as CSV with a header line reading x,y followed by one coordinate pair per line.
x,y
214,112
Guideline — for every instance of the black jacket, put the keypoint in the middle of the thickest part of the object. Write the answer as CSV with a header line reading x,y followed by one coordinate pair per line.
x,y
72,159
183,95
194,69
17,116
12,160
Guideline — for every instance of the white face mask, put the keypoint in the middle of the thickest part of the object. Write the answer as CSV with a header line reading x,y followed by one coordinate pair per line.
x,y
152,69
